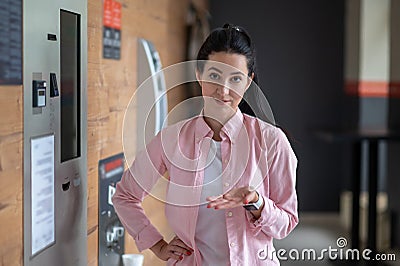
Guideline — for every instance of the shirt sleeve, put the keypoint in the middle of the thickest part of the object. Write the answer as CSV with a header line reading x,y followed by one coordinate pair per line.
x,y
135,184
279,215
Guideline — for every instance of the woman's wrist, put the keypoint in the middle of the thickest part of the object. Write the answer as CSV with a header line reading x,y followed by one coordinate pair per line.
x,y
254,204
259,202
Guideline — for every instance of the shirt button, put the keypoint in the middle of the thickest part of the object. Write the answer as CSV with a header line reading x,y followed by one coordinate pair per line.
x,y
226,184
226,161
230,214
232,244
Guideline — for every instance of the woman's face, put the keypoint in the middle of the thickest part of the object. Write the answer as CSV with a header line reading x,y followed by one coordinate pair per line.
x,y
224,81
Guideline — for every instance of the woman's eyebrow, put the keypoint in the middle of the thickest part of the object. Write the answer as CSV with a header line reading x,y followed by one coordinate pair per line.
x,y
219,71
237,73
216,69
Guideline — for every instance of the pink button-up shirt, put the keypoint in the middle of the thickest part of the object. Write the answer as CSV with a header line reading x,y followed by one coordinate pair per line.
x,y
254,153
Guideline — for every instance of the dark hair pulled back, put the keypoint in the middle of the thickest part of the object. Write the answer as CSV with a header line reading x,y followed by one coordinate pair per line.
x,y
235,39
230,39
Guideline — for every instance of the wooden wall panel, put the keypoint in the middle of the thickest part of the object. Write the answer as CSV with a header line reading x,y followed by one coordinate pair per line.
x,y
111,84
11,178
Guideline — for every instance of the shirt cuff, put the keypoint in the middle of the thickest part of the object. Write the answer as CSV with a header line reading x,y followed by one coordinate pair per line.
x,y
147,237
267,218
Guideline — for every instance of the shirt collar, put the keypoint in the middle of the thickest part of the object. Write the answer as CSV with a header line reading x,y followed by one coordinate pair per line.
x,y
202,129
231,128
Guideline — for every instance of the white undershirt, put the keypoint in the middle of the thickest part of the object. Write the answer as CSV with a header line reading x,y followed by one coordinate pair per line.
x,y
211,236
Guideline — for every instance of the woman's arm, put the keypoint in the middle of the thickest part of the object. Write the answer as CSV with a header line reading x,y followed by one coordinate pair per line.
x,y
279,215
135,184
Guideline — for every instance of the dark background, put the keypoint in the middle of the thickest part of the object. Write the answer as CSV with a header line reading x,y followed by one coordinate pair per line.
x,y
300,57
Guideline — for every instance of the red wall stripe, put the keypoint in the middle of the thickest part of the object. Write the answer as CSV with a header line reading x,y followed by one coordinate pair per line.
x,y
373,88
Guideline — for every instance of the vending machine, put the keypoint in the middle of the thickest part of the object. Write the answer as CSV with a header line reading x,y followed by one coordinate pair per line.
x,y
111,231
55,125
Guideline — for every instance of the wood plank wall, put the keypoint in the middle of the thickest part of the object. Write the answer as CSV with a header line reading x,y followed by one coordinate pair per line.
x,y
11,169
110,85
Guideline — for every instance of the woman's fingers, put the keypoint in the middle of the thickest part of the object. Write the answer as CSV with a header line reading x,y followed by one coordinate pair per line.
x,y
224,203
180,250
185,248
175,256
213,198
228,205
177,248
234,198
213,203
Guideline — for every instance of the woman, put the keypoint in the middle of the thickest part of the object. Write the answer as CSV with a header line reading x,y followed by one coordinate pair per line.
x,y
231,186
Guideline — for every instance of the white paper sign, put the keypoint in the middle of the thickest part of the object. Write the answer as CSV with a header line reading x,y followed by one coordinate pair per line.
x,y
42,193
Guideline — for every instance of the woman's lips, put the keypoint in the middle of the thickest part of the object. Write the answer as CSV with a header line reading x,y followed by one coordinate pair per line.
x,y
222,102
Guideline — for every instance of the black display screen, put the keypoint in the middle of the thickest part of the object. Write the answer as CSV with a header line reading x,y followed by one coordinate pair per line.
x,y
70,81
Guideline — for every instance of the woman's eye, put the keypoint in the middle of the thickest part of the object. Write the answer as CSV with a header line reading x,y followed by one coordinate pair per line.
x,y
214,76
236,79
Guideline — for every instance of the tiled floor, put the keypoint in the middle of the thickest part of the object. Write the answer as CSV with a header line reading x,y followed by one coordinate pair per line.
x,y
318,232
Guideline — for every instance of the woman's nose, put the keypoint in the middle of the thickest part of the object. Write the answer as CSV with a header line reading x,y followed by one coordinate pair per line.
x,y
223,90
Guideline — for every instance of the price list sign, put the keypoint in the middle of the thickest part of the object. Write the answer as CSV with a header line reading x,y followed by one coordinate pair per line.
x,y
111,29
42,193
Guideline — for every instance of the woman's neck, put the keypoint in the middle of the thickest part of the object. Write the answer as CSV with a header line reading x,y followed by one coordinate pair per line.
x,y
215,126
216,119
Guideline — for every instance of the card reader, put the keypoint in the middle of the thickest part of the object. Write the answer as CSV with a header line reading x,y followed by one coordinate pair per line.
x,y
39,93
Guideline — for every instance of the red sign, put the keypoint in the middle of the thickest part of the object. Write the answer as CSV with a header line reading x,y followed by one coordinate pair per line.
x,y
113,165
116,18
112,14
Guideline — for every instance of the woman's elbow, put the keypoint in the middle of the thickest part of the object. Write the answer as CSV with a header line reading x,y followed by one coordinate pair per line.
x,y
292,223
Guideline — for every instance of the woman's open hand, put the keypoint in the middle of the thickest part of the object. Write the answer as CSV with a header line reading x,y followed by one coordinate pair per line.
x,y
234,198
174,249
